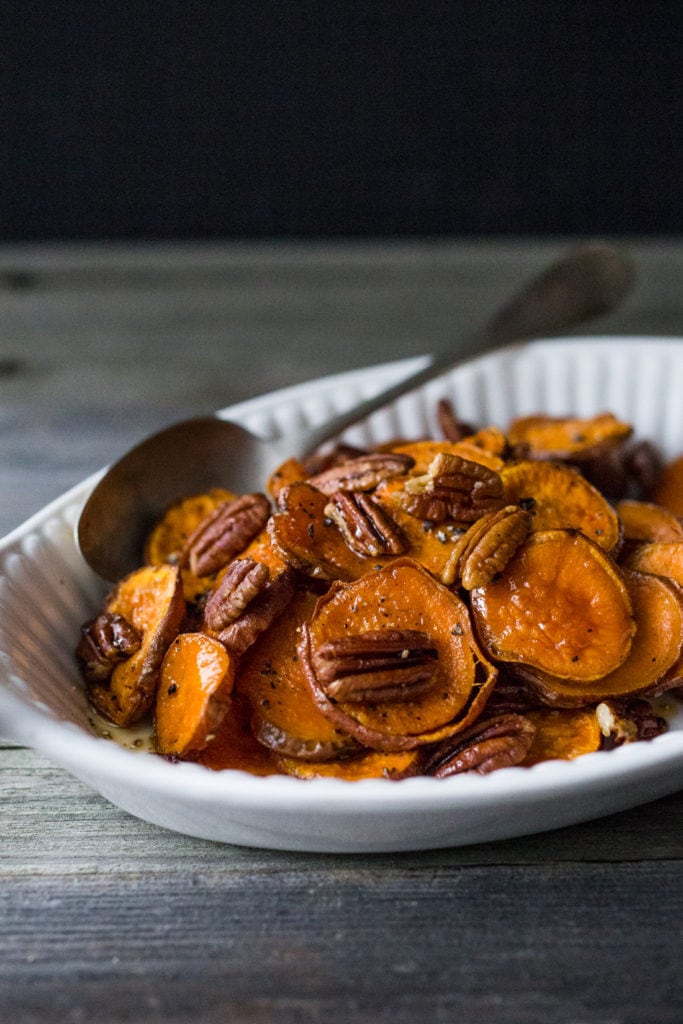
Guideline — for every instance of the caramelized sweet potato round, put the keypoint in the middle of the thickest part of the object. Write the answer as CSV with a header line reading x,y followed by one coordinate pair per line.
x,y
566,437
558,497
560,605
197,676
151,599
655,651
644,521
563,734
401,601
664,558
484,447
371,764
284,717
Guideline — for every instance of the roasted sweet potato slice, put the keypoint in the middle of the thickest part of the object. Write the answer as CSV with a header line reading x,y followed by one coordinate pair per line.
x,y
305,538
668,491
643,522
559,497
197,676
563,734
560,605
664,558
371,764
566,437
391,659
292,471
483,447
151,600
284,718
168,537
656,648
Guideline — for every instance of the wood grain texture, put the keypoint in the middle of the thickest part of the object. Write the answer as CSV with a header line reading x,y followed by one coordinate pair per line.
x,y
104,917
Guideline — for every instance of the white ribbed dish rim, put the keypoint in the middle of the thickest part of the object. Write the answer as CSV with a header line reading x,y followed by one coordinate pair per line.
x,y
46,591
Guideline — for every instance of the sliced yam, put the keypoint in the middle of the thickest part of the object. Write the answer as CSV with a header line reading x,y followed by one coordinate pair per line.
x,y
370,765
151,599
644,521
559,497
668,491
560,605
284,717
481,448
664,558
566,437
197,677
168,537
654,656
305,538
292,471
234,746
400,597
261,549
562,734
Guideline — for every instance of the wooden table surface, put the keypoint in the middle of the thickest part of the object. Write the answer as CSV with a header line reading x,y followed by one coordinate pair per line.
x,y
106,918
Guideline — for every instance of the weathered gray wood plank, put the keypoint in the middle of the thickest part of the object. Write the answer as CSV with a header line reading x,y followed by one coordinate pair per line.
x,y
541,944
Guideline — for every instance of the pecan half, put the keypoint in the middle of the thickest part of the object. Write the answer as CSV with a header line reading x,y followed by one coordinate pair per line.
x,y
450,425
378,665
486,548
105,641
453,488
224,533
243,580
363,473
628,720
499,742
367,527
259,614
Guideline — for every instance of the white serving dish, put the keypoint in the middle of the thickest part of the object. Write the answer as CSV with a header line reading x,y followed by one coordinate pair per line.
x,y
46,592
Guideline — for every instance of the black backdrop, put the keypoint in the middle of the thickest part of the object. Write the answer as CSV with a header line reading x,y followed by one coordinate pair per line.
x,y
263,118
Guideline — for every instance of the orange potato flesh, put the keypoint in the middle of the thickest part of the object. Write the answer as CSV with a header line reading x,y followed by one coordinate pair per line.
x,y
481,447
197,678
664,558
370,765
404,596
644,522
167,538
566,436
151,599
562,499
560,605
655,651
562,734
271,678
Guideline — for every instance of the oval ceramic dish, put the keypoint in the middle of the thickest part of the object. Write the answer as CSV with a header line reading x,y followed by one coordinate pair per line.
x,y
46,592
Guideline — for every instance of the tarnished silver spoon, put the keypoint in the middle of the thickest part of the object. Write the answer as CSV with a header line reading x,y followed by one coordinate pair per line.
x,y
194,455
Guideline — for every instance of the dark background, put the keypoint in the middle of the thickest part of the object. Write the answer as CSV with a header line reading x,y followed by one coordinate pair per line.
x,y
132,120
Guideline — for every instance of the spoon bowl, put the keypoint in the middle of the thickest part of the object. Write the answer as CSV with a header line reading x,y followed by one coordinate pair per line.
x,y
197,454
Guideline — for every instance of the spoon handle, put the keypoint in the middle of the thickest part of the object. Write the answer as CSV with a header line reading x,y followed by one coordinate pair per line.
x,y
587,282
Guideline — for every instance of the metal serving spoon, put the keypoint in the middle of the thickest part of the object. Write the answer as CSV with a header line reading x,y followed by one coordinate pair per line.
x,y
194,455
